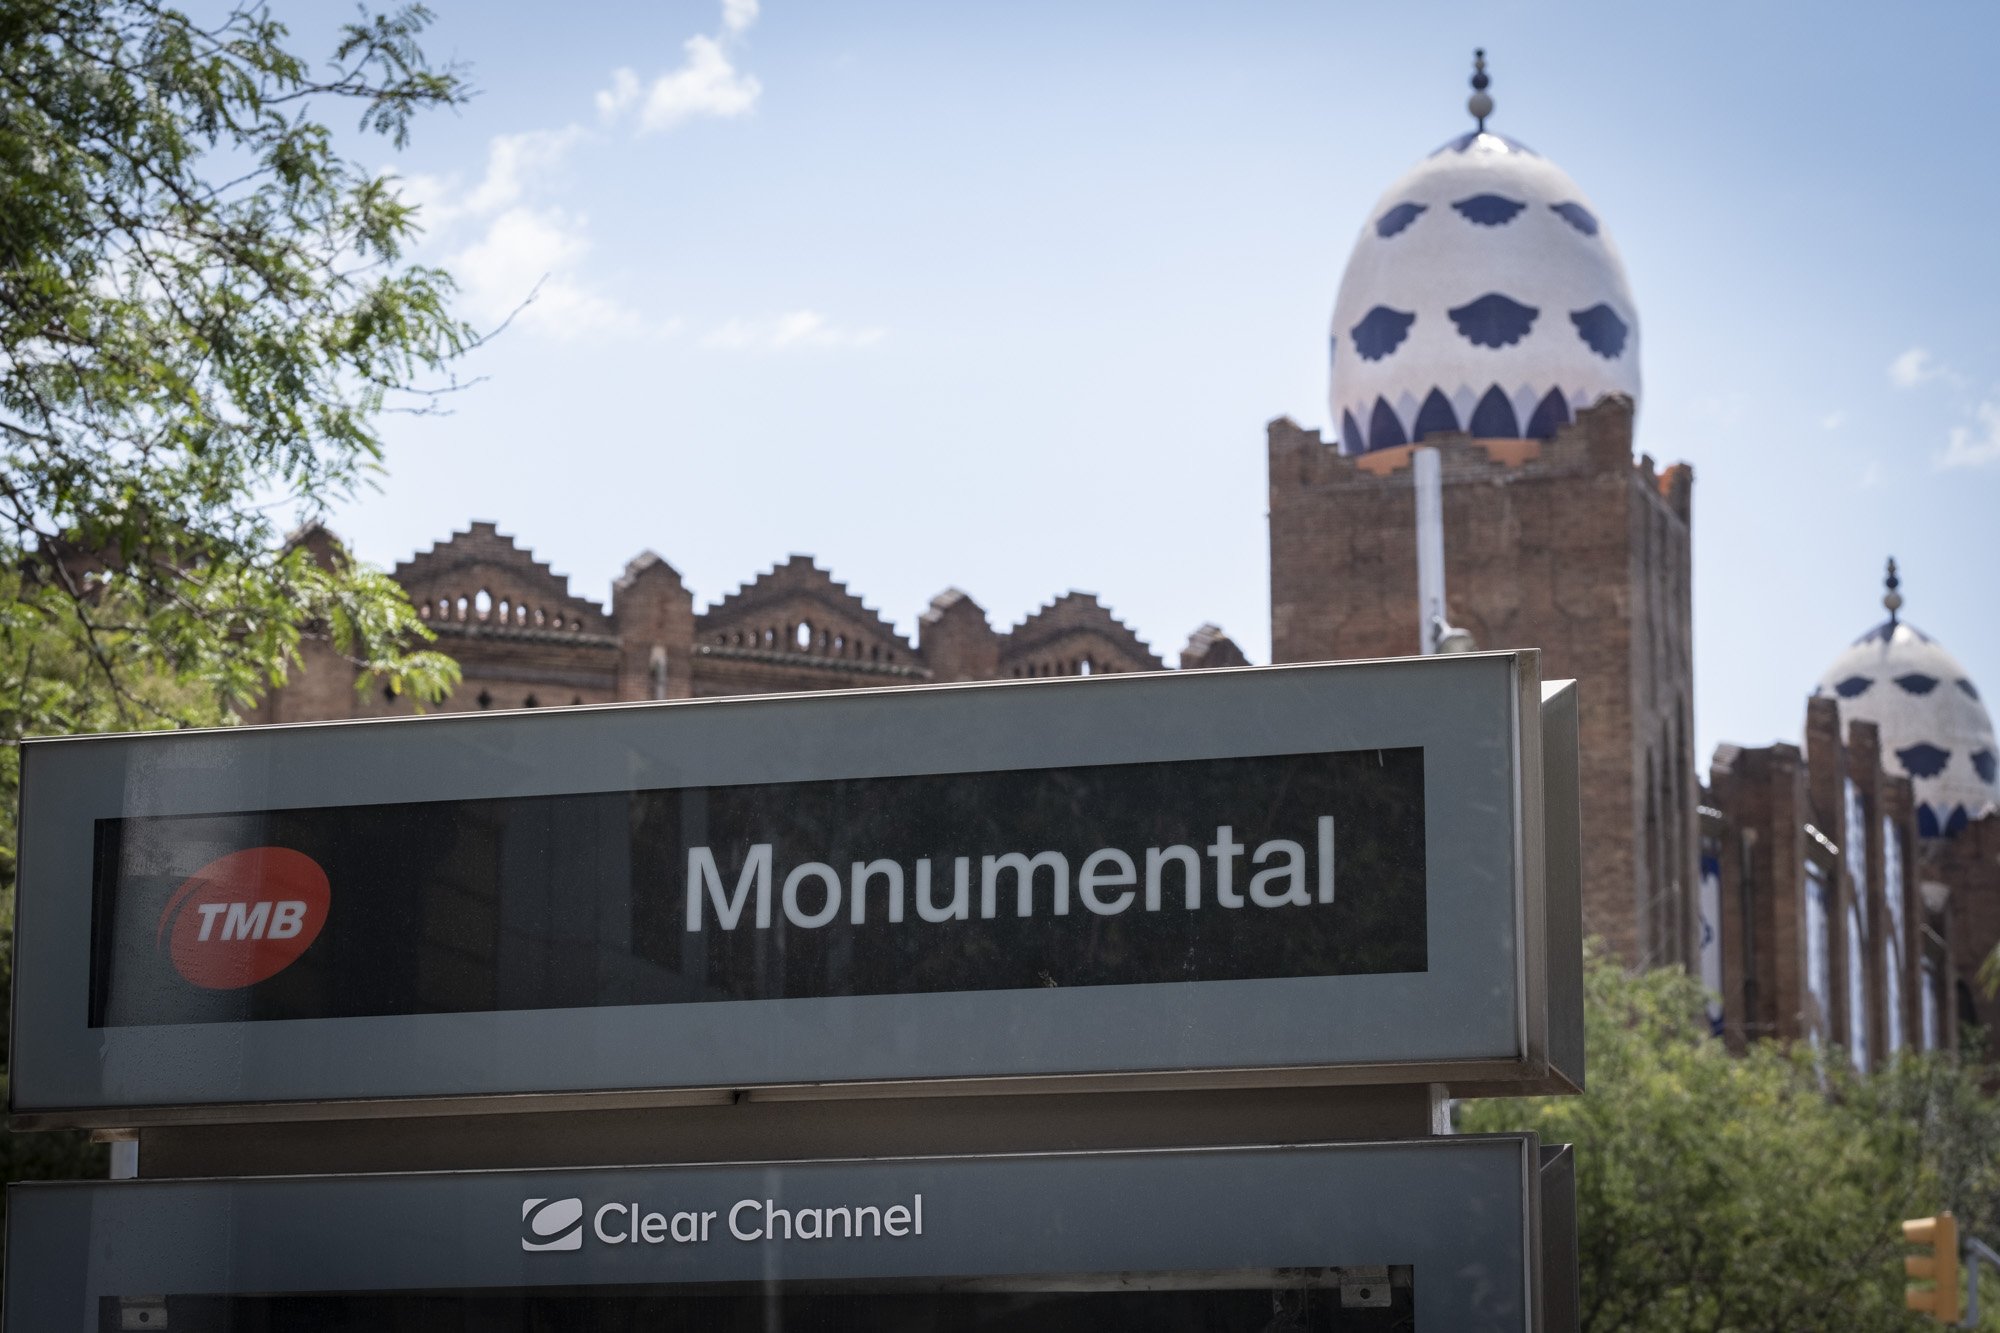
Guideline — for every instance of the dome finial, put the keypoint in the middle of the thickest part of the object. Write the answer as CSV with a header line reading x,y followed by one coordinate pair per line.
x,y
1480,104
1892,599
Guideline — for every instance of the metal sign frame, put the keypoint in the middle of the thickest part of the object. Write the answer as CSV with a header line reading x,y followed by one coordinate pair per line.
x,y
1465,1214
1479,1017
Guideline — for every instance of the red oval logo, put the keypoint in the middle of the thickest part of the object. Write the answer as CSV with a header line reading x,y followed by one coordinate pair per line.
x,y
244,917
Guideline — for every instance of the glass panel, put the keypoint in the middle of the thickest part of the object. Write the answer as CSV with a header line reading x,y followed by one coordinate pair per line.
x,y
1108,875
1896,942
1857,989
1930,1005
1856,840
1892,878
1819,961
1295,1300
1711,934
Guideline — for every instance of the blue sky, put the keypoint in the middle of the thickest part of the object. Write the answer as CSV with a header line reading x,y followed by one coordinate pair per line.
x,y
1001,296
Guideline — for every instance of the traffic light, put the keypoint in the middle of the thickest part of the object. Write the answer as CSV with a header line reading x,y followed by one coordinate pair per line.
x,y
1939,1267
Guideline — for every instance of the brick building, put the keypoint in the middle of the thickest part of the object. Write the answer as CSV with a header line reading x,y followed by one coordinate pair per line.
x,y
1823,928
1832,892
1563,544
523,639
1853,882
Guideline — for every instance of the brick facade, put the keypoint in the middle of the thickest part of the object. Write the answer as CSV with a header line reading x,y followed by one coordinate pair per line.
x,y
1565,545
1787,821
1965,870
523,639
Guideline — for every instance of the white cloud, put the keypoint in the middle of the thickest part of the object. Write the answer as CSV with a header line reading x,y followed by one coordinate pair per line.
x,y
514,164
620,97
706,83
1915,367
797,328
1975,447
531,256
514,161
517,257
513,258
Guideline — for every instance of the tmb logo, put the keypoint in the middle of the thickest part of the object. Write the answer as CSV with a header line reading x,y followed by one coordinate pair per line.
x,y
244,917
552,1224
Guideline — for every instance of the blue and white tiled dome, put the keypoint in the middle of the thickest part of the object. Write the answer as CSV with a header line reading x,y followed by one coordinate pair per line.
x,y
1934,726
1484,295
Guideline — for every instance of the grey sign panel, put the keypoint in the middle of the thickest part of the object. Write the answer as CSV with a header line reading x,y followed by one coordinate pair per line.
x,y
1436,1235
1282,874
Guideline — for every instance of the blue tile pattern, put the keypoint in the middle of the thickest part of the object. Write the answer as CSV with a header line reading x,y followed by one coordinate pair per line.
x,y
1601,330
1435,416
1381,331
1385,429
1577,216
1916,682
1853,687
1494,321
1494,419
1923,760
1551,415
1488,210
1399,217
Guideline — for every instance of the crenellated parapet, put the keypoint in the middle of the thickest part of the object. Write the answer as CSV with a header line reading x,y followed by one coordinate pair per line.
x,y
1074,635
1208,647
799,612
481,581
1598,443
522,639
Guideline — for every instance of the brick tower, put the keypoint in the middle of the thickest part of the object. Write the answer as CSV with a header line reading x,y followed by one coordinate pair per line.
x,y
1485,312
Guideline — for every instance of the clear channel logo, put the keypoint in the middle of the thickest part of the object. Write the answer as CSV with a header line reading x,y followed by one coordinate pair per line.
x,y
551,1224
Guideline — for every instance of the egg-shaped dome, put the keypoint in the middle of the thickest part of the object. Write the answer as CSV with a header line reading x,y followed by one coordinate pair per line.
x,y
1484,295
1934,726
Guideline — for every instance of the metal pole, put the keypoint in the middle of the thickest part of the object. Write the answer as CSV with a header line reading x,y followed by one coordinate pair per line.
x,y
1977,1249
1425,470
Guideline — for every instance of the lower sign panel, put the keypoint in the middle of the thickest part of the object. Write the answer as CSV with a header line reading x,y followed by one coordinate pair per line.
x,y
1212,1303
1438,1234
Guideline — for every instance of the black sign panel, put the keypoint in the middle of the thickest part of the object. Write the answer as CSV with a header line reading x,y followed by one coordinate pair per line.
x,y
1296,1300
1300,865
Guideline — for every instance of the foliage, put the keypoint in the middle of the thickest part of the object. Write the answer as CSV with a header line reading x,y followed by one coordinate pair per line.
x,y
1754,1191
204,310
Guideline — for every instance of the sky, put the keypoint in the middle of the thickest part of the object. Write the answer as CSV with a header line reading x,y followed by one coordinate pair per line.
x,y
1001,297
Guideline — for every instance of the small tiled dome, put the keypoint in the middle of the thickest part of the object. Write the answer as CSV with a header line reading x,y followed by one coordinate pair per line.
x,y
1484,295
1934,725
